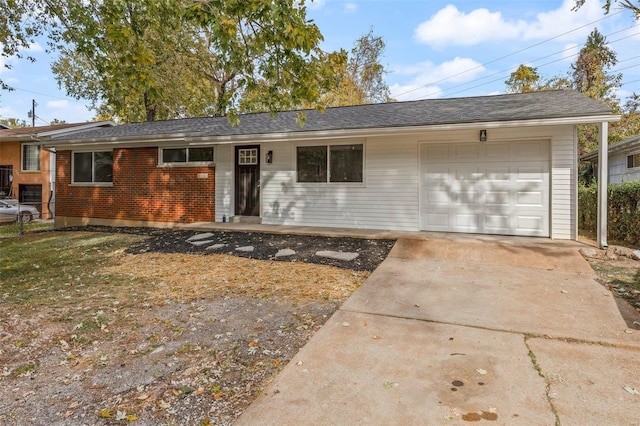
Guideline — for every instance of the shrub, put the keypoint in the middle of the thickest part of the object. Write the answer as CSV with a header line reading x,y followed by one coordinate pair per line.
x,y
623,211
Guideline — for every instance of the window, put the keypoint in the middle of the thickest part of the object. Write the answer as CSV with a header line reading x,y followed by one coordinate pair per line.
x,y
633,161
186,155
248,156
330,163
30,158
93,167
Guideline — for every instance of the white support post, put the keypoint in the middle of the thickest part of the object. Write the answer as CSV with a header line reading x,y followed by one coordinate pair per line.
x,y
603,172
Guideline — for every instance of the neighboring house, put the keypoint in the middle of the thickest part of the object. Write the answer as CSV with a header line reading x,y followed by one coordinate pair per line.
x,y
495,165
624,160
27,172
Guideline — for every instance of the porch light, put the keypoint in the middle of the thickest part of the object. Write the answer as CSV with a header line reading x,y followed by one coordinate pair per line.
x,y
483,135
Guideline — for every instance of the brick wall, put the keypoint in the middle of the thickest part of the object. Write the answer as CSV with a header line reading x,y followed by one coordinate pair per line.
x,y
141,190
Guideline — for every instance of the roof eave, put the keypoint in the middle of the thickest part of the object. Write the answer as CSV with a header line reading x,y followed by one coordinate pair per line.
x,y
196,138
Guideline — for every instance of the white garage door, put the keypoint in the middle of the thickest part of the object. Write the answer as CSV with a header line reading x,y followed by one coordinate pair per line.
x,y
486,188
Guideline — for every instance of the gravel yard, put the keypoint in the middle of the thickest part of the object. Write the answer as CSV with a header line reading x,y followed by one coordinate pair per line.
x,y
115,326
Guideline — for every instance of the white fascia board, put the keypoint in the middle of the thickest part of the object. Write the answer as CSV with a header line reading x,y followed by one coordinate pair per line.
x,y
197,140
75,129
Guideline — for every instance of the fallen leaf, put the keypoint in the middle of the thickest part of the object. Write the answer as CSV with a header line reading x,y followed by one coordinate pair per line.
x,y
253,344
481,371
68,414
390,385
345,324
218,395
631,390
164,405
105,413
143,396
73,405
132,417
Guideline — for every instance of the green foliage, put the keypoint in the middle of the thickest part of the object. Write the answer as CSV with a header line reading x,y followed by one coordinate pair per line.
x,y
162,59
523,79
14,123
623,211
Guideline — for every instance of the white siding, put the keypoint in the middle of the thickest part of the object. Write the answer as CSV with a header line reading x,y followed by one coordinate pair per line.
x,y
387,199
224,181
389,196
618,171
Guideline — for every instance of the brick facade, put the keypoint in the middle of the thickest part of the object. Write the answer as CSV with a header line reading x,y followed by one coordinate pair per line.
x,y
141,191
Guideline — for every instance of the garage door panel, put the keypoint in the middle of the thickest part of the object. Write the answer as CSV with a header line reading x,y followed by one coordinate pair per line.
x,y
497,151
494,188
497,222
497,198
530,198
466,152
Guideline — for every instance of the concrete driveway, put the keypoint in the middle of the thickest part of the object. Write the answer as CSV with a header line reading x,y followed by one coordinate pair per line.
x,y
460,329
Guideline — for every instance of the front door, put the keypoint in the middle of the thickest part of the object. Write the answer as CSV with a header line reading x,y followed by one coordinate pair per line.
x,y
247,180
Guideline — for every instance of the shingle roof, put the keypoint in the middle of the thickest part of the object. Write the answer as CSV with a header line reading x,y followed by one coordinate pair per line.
x,y
35,130
625,145
521,106
22,132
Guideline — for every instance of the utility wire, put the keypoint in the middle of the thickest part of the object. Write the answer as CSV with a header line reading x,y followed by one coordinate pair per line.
x,y
513,53
509,69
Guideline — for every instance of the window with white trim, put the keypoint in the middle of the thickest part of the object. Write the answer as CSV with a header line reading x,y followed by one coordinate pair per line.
x,y
93,167
248,156
330,163
191,155
30,158
633,161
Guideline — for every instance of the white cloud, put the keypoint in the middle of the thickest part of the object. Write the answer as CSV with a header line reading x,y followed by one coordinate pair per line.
x,y
350,8
450,26
455,71
426,77
315,4
58,104
570,52
35,47
408,92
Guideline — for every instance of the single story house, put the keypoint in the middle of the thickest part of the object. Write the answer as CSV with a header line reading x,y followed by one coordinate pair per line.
x,y
27,172
624,160
504,164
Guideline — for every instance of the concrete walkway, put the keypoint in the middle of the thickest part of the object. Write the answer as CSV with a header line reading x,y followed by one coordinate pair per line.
x,y
454,330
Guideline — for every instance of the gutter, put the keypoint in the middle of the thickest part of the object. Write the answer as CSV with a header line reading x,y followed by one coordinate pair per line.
x,y
197,138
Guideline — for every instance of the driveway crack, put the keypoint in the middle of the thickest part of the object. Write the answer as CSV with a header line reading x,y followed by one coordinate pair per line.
x,y
548,393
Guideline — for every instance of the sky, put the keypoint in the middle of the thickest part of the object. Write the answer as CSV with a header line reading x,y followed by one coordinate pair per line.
x,y
434,49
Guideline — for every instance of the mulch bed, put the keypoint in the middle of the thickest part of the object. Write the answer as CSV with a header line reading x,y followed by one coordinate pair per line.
x,y
371,252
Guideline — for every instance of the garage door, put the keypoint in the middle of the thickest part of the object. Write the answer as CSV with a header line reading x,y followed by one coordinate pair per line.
x,y
487,188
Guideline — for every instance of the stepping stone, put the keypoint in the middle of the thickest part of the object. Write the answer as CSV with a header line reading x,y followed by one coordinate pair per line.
x,y
200,236
200,242
337,255
285,252
247,249
216,246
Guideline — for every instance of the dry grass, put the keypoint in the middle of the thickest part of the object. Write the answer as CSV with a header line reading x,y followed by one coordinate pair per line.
x,y
183,277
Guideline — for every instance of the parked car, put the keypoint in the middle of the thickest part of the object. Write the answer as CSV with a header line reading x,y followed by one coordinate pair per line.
x,y
11,210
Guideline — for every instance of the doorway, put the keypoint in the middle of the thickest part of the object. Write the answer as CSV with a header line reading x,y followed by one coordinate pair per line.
x,y
247,174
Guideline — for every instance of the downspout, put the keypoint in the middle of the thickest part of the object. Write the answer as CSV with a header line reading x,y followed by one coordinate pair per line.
x,y
603,175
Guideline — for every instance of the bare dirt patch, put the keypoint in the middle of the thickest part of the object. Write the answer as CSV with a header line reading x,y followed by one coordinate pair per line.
x,y
96,330
619,271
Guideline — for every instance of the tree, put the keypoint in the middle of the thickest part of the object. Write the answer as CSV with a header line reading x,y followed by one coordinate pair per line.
x,y
591,76
591,70
14,123
523,79
625,4
159,59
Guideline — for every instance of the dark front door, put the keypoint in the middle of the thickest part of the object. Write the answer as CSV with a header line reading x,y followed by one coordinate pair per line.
x,y
248,180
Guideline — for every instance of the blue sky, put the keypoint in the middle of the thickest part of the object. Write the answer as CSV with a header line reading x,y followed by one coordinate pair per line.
x,y
435,49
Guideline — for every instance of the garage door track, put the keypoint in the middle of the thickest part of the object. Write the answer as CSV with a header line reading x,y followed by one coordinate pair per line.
x,y
459,329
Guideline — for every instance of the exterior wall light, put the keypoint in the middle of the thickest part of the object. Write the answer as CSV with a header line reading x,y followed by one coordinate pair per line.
x,y
483,135
269,157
